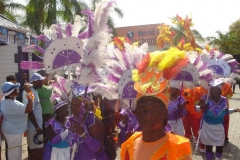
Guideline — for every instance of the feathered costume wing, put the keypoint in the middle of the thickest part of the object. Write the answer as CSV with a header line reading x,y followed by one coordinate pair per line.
x,y
124,56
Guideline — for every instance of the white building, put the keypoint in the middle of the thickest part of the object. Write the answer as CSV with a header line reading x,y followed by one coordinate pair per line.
x,y
10,53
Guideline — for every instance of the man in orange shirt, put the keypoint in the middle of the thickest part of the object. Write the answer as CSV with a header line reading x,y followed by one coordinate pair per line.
x,y
226,92
153,142
151,112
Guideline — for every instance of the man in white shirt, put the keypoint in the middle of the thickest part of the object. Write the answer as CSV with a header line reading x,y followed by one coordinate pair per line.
x,y
35,151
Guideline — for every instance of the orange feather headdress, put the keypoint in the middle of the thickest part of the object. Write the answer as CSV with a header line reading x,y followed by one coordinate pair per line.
x,y
152,74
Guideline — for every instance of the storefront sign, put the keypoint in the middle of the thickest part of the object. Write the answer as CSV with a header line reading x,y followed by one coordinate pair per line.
x,y
3,35
19,39
33,41
142,34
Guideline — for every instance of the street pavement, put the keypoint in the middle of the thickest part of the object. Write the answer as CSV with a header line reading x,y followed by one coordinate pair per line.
x,y
231,150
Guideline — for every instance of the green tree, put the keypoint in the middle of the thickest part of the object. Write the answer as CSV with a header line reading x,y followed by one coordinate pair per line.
x,y
226,42
43,13
234,29
9,9
179,33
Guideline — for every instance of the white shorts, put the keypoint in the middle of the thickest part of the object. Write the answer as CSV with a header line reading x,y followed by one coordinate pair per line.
x,y
177,126
31,144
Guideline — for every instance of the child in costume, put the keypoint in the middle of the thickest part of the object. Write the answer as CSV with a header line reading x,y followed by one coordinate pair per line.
x,y
88,131
176,109
215,108
59,142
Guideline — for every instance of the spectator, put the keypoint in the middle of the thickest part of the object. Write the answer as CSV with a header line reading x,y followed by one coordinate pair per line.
x,y
107,107
15,119
237,83
24,80
44,94
10,78
35,151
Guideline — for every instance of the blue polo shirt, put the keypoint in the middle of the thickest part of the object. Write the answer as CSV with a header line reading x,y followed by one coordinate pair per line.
x,y
15,118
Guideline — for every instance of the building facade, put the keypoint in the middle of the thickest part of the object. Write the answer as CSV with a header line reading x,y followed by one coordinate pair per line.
x,y
11,49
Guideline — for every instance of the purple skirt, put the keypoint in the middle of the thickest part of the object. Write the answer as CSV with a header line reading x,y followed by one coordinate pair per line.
x,y
85,156
47,152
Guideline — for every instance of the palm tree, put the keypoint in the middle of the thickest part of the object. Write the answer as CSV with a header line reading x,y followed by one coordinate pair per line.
x,y
9,8
179,33
43,13
226,42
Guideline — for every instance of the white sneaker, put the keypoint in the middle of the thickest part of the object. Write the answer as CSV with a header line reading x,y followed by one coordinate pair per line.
x,y
202,150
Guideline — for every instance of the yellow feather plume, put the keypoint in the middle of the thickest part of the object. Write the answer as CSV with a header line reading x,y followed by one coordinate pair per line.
x,y
135,75
156,57
172,55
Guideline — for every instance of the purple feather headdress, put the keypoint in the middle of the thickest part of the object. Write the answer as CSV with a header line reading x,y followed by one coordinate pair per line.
x,y
35,48
89,32
59,31
44,38
27,65
69,30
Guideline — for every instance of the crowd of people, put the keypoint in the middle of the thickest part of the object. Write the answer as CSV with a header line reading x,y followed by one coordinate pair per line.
x,y
150,104
52,127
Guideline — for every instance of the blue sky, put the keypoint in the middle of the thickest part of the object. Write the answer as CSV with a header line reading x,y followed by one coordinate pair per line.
x,y
208,16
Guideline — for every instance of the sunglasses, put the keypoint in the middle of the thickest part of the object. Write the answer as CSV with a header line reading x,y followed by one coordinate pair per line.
x,y
16,90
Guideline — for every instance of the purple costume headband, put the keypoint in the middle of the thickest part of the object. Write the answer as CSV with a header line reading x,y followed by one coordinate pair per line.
x,y
59,104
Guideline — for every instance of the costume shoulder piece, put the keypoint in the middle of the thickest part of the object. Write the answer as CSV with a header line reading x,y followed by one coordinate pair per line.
x,y
180,146
175,147
127,147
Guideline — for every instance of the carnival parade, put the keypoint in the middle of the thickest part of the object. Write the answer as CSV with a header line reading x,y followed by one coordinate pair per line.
x,y
97,96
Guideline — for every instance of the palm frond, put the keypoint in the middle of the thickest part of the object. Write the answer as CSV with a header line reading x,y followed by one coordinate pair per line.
x,y
197,35
9,15
179,35
15,7
119,12
111,24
